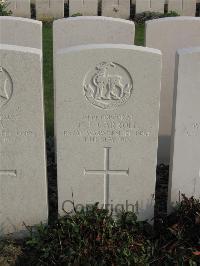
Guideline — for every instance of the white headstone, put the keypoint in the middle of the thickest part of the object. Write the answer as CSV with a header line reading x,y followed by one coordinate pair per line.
x,y
21,32
107,110
116,8
157,5
189,8
185,148
150,5
85,30
49,9
183,7
23,181
142,6
83,7
168,35
175,5
19,8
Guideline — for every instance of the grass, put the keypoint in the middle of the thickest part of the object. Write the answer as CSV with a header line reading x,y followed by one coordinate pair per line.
x,y
48,77
139,34
48,71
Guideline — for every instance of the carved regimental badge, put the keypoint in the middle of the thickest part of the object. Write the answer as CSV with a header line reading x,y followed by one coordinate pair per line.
x,y
108,85
6,87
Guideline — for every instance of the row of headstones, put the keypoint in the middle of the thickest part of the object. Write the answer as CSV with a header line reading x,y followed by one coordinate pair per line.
x,y
107,98
111,8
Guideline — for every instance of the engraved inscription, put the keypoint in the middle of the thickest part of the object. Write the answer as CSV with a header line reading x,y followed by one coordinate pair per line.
x,y
6,87
106,172
112,128
192,129
108,85
8,173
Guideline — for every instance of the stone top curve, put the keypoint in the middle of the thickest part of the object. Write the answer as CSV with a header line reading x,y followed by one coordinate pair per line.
x,y
172,19
20,19
109,46
22,49
92,18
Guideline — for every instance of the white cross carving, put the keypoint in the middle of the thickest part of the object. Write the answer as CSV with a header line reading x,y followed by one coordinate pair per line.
x,y
106,172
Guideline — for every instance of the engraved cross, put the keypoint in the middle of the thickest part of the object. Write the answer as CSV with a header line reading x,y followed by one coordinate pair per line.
x,y
106,172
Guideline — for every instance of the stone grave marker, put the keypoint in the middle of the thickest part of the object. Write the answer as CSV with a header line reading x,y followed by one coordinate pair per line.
x,y
183,7
83,7
157,5
189,8
85,30
107,112
21,32
168,35
23,184
185,148
142,6
19,8
175,5
69,32
150,5
49,9
116,8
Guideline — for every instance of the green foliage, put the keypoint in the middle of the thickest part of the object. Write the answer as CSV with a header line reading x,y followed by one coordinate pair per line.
x,y
91,237
9,253
178,239
145,16
94,237
77,15
4,10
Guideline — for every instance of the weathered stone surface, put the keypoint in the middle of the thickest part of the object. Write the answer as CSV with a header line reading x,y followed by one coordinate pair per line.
x,y
189,8
185,148
23,197
49,9
83,7
168,35
116,8
21,32
142,6
183,7
20,8
107,112
85,30
175,5
157,6
150,5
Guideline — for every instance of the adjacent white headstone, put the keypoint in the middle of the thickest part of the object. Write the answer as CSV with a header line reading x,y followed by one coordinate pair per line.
x,y
168,35
85,30
175,5
21,32
189,8
150,5
83,7
157,5
116,8
183,7
142,6
185,148
23,181
107,112
19,8
49,9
